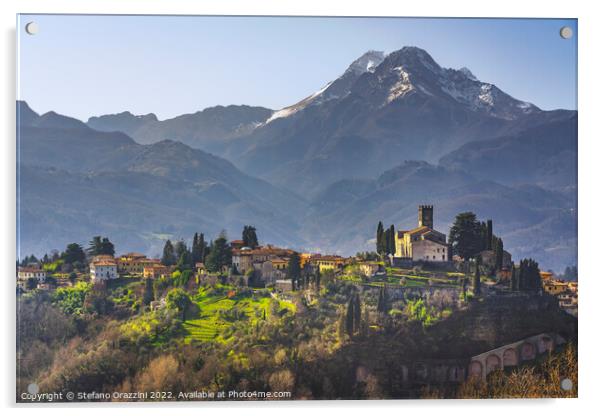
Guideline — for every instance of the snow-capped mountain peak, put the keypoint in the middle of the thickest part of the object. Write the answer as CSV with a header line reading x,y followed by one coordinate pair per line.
x,y
367,62
468,73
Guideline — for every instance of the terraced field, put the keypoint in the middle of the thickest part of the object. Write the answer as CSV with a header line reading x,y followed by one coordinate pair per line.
x,y
410,279
220,309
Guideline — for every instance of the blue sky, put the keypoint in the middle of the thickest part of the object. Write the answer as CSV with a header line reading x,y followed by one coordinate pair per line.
x,y
170,65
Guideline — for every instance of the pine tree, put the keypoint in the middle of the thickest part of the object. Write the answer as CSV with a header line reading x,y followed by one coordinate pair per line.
x,y
99,245
466,235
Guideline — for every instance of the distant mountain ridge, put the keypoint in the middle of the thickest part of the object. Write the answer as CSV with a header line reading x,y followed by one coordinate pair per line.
x,y
84,182
209,129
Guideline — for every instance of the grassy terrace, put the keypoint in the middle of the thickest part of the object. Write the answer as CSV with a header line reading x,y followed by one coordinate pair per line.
x,y
405,277
219,310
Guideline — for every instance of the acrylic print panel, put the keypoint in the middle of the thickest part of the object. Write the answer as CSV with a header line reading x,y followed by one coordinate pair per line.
x,y
279,208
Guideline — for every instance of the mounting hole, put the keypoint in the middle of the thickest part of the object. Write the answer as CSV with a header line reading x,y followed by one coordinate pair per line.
x,y
31,28
33,388
566,384
566,32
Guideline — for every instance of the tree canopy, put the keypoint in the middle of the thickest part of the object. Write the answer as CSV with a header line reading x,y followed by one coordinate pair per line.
x,y
220,254
74,253
169,256
466,235
249,236
99,246
293,271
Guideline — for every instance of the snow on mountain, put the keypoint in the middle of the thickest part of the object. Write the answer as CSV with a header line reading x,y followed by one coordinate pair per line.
x,y
368,62
290,110
413,70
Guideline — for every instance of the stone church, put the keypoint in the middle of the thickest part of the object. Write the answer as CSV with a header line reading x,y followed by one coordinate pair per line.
x,y
422,243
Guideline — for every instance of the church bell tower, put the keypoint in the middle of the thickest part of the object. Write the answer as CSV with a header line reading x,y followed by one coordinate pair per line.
x,y
425,216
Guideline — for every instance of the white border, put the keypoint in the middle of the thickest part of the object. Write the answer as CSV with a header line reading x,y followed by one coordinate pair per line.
x,y
589,188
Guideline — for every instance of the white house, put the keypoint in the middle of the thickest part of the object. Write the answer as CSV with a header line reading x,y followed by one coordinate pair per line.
x,y
103,269
25,273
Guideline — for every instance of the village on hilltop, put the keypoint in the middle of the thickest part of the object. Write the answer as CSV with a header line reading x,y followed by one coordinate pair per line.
x,y
416,259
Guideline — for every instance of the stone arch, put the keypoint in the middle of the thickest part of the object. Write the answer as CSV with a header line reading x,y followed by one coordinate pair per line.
x,y
492,363
404,373
421,371
510,358
527,351
475,369
361,373
440,373
545,344
456,373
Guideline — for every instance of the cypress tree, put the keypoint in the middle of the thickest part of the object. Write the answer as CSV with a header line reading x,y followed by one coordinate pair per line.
x,y
357,313
294,270
499,254
380,239
392,239
489,235
169,256
387,238
249,236
477,277
148,296
349,317
514,280
382,301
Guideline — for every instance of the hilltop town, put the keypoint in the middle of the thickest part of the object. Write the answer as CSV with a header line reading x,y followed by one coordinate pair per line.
x,y
416,282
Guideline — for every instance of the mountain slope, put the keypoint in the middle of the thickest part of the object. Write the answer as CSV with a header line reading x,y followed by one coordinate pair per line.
x,y
405,107
75,182
545,155
208,130
533,222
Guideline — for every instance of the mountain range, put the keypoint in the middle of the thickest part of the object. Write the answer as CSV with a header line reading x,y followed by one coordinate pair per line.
x,y
393,131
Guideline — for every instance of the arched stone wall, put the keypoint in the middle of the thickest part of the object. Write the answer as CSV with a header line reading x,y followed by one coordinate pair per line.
x,y
440,373
527,351
492,363
404,373
456,373
475,369
510,358
421,372
545,344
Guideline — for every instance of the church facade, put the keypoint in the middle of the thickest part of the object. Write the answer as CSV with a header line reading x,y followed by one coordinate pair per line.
x,y
422,243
